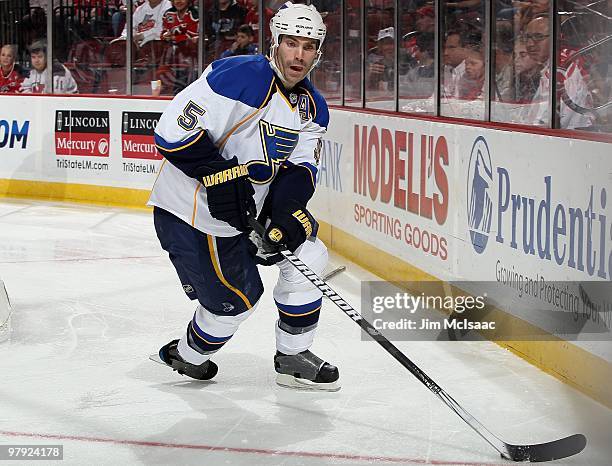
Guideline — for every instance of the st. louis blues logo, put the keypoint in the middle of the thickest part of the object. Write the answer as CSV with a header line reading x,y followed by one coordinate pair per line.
x,y
277,144
479,189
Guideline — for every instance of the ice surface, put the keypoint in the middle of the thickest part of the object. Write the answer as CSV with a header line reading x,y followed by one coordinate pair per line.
x,y
93,295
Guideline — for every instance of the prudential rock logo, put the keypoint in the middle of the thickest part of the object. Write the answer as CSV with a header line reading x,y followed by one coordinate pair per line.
x,y
479,194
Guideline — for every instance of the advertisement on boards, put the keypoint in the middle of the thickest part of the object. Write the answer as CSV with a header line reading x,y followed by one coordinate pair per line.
x,y
389,181
138,142
537,223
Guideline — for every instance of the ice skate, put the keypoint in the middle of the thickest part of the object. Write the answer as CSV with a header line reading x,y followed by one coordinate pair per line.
x,y
306,371
170,356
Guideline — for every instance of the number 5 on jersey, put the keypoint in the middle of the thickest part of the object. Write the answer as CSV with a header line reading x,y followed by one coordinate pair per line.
x,y
189,119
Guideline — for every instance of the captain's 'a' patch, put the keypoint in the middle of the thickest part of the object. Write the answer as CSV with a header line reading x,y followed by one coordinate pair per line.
x,y
304,107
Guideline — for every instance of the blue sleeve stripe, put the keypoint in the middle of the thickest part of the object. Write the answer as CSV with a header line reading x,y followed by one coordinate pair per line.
x,y
300,310
313,171
166,146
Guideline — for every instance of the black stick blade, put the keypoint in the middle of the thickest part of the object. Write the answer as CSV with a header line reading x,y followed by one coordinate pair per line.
x,y
549,451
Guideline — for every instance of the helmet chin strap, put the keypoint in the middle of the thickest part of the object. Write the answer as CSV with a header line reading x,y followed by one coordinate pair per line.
x,y
275,67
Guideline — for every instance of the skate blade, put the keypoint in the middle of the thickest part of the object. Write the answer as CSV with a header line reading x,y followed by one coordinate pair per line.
x,y
155,358
289,381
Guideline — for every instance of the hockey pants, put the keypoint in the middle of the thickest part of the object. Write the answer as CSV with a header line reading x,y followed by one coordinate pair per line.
x,y
221,274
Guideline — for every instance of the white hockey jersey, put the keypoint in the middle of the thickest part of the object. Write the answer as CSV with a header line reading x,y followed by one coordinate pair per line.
x,y
148,21
245,110
36,82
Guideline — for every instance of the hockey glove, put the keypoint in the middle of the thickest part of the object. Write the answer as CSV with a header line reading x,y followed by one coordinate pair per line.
x,y
263,253
229,192
290,226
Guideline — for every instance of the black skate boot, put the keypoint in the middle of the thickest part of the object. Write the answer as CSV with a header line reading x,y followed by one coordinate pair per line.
x,y
170,355
306,371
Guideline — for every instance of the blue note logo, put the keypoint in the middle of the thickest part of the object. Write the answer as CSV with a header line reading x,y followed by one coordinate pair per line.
x,y
277,144
479,194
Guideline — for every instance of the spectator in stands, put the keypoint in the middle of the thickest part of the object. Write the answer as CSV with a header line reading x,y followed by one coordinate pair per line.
x,y
380,67
243,45
424,22
537,39
118,17
504,9
380,63
147,21
425,19
84,18
504,72
252,15
34,25
11,74
40,75
527,74
419,79
453,59
470,86
525,11
223,22
180,23
181,29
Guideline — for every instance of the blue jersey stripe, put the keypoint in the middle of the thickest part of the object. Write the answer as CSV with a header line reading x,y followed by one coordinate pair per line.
x,y
167,146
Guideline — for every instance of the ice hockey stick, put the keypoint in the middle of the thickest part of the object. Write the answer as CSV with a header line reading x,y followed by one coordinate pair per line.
x,y
548,451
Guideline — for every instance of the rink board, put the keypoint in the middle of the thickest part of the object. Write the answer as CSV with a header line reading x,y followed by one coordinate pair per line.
x,y
410,199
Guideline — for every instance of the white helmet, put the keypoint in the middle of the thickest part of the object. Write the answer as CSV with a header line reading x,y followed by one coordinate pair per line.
x,y
297,20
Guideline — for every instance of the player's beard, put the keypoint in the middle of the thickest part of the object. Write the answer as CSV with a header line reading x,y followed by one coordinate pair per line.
x,y
278,71
299,73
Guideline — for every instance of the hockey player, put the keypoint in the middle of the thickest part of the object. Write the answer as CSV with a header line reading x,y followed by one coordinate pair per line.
x,y
244,140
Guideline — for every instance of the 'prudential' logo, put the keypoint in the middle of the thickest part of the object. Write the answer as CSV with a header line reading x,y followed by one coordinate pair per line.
x,y
479,188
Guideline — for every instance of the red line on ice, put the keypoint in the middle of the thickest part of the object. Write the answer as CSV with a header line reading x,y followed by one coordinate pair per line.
x,y
259,451
78,259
